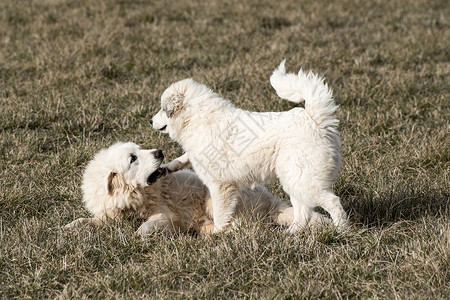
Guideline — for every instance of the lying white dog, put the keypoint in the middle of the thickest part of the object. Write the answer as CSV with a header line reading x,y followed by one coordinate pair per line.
x,y
230,148
126,180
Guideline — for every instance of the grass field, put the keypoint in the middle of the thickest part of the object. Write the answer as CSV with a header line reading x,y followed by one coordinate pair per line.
x,y
76,76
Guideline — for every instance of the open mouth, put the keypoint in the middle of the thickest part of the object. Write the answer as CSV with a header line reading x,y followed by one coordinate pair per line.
x,y
163,128
160,172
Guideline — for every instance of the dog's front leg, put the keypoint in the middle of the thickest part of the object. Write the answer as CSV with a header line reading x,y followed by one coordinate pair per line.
x,y
82,222
158,221
177,164
224,201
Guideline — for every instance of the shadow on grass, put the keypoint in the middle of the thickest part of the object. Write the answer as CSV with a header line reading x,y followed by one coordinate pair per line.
x,y
399,204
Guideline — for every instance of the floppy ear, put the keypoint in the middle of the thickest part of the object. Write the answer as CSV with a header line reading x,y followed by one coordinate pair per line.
x,y
110,183
175,103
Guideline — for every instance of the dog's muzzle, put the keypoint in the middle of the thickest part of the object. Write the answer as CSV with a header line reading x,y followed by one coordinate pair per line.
x,y
160,172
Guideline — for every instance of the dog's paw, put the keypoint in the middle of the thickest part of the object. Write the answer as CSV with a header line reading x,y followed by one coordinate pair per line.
x,y
294,228
299,226
142,231
146,228
177,164
173,166
168,168
80,222
224,229
158,222
76,223
207,228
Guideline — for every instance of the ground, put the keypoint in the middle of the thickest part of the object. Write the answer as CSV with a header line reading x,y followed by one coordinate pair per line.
x,y
76,76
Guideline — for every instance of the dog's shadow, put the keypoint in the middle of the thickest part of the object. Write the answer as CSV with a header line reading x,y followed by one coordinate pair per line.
x,y
399,204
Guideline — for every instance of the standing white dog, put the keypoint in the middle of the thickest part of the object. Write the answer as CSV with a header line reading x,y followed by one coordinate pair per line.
x,y
230,148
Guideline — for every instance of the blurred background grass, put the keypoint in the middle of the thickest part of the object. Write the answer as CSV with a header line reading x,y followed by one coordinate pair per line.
x,y
76,76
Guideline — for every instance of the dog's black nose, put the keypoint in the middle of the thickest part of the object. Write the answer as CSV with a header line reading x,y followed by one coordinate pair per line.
x,y
151,121
158,154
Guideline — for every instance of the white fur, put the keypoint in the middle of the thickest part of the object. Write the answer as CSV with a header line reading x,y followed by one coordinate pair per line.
x,y
112,167
114,185
230,148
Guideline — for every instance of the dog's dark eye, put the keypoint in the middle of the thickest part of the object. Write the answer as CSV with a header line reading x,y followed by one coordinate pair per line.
x,y
132,158
168,112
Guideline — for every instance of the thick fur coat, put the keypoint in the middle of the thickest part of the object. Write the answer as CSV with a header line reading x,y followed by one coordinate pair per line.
x,y
126,180
230,148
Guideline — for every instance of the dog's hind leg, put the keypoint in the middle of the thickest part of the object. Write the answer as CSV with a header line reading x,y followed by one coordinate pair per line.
x,y
285,216
224,200
332,204
158,221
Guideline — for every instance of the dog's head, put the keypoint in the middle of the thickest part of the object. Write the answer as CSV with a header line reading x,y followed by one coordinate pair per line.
x,y
179,103
116,172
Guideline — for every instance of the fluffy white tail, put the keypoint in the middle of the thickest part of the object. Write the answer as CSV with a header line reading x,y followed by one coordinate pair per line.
x,y
310,88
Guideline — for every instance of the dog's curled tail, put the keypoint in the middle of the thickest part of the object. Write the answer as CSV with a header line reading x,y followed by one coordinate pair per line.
x,y
306,87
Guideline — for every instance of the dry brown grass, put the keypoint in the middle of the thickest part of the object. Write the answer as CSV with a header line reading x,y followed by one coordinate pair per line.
x,y
76,76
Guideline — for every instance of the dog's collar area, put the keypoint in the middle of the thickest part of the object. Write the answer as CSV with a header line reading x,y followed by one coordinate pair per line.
x,y
160,172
